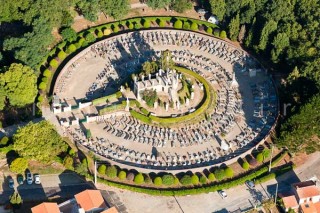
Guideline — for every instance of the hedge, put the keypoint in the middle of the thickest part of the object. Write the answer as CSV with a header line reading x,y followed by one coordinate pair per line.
x,y
211,177
105,98
157,181
47,73
259,157
195,179
111,171
62,55
112,108
220,174
168,179
122,175
102,169
203,179
186,180
42,86
178,24
71,48
140,117
54,63
139,178
194,26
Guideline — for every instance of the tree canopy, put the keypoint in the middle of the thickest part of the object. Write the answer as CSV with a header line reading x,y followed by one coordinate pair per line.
x,y
18,86
38,141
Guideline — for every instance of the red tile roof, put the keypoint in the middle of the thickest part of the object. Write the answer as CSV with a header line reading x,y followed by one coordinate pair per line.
x,y
308,208
290,202
308,191
111,210
46,208
90,199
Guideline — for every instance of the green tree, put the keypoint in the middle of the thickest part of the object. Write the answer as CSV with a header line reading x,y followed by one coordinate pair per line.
x,y
47,73
162,23
4,140
245,165
102,169
62,55
42,86
203,179
186,25
139,178
211,177
19,165
19,85
186,180
158,181
69,34
90,38
268,28
68,162
122,175
218,8
38,141
149,96
234,27
266,153
259,158
158,4
209,30
195,179
117,9
229,172
280,42
223,34
15,199
194,26
178,24
219,174
112,171
168,179
181,5
71,48
146,23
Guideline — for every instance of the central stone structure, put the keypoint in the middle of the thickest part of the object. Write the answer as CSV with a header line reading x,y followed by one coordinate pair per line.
x,y
162,81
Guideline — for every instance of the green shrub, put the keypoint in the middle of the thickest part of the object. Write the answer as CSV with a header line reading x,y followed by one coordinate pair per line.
x,y
102,169
89,38
107,31
42,86
69,34
219,174
195,179
44,79
266,153
186,180
71,48
209,30
4,141
68,162
194,26
130,26
259,158
139,178
245,165
122,175
162,23
203,179
62,55
168,179
146,23
158,181
47,73
140,117
40,98
216,32
211,177
186,25
100,34
116,28
148,180
229,172
223,34
19,165
176,181
137,26
111,171
72,152
54,63
178,24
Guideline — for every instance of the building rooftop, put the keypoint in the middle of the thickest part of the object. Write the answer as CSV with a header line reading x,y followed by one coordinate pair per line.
x,y
308,208
308,191
290,201
111,210
90,199
46,208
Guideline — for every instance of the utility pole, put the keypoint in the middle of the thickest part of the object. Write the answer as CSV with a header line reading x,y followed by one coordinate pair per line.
x,y
275,196
271,157
95,172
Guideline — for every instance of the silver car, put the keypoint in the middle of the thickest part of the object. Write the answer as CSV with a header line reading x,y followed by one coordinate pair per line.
x,y
29,178
37,179
222,194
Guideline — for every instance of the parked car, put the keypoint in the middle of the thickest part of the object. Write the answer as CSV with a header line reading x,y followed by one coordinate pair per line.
x,y
213,19
222,194
250,184
37,179
201,11
20,179
10,182
29,178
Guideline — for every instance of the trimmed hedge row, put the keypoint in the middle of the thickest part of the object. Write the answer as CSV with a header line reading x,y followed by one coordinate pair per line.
x,y
115,107
140,116
105,98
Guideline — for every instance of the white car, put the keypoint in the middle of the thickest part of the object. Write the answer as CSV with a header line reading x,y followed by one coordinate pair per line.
x,y
29,178
37,179
222,194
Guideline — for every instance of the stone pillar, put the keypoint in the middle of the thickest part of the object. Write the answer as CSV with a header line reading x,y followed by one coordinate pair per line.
x,y
192,95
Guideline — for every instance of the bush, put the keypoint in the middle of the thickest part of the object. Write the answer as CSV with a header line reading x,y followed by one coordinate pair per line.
x,y
72,48
146,23
69,34
195,179
223,34
259,157
266,153
116,28
54,63
4,141
178,24
211,177
68,162
19,165
111,171
99,34
168,179
216,32
245,165
122,175
219,174
137,26
176,181
130,25
157,181
139,178
42,86
107,31
186,25
90,38
72,152
228,172
102,169
15,199
203,179
140,117
47,73
162,23
130,176
62,55
40,98
194,26
209,30
186,180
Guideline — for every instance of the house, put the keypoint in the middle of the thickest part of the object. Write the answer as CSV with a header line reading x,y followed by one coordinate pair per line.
x,y
305,198
87,201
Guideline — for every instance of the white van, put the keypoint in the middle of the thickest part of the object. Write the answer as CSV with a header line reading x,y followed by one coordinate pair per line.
x,y
213,19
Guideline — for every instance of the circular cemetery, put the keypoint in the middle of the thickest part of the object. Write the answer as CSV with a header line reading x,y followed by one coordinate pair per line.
x,y
165,100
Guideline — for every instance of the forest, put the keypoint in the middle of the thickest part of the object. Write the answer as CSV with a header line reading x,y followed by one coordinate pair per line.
x,y
283,34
